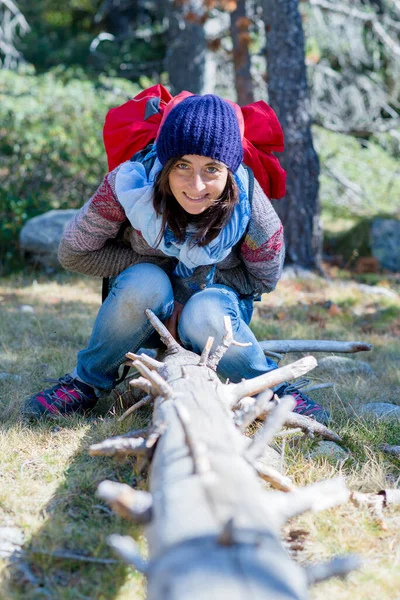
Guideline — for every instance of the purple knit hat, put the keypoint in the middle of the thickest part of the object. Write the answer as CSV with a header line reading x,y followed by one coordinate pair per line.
x,y
204,125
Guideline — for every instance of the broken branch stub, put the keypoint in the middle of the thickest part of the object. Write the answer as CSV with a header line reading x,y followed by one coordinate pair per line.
x,y
311,426
150,362
206,352
128,550
227,341
264,436
163,332
159,386
146,400
127,502
251,387
252,409
119,447
274,477
314,497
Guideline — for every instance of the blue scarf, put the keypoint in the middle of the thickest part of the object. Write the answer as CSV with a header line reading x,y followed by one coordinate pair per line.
x,y
134,189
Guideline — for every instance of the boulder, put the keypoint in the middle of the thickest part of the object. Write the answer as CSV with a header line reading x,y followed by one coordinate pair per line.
x,y
330,451
40,236
385,243
384,411
345,365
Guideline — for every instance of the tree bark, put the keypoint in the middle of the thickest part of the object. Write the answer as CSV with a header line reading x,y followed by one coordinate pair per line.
x,y
186,55
241,55
288,96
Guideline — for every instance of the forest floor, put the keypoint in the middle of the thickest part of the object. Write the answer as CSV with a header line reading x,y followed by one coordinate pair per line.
x,y
48,481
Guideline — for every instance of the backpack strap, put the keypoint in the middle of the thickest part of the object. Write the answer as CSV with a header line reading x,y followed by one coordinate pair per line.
x,y
141,155
251,183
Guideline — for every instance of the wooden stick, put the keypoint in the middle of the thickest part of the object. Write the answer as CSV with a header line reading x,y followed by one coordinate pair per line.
x,y
73,556
314,497
143,384
252,410
159,385
390,497
318,386
146,400
119,447
128,550
264,436
274,477
251,387
374,502
163,332
285,433
205,354
310,426
285,346
150,362
227,341
127,502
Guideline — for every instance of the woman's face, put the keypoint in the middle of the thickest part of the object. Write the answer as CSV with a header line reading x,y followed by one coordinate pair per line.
x,y
197,182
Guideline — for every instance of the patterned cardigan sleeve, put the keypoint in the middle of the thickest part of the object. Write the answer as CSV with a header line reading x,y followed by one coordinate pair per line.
x,y
263,249
88,243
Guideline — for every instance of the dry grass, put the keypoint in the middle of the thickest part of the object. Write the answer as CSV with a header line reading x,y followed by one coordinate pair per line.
x,y
48,481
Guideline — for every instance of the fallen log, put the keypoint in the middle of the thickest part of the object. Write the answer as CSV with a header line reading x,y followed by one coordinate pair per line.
x,y
212,530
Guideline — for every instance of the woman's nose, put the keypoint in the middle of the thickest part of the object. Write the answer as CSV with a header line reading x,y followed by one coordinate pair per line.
x,y
198,183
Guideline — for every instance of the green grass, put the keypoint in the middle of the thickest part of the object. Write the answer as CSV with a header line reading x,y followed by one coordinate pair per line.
x,y
48,480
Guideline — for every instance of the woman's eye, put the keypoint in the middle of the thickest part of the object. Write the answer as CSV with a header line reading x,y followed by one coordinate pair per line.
x,y
181,166
212,170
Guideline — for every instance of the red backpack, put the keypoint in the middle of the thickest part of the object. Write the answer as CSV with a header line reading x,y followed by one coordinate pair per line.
x,y
130,127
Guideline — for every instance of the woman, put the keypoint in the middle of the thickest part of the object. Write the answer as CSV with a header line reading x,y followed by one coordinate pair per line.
x,y
204,242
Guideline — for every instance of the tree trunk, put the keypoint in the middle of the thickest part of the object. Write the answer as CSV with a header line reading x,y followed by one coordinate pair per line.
x,y
213,531
288,96
241,56
186,55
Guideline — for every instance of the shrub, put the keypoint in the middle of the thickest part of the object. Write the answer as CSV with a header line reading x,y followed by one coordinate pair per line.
x,y
50,144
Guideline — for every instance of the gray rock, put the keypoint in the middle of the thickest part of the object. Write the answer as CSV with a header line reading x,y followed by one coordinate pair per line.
x,y
345,365
40,236
385,243
11,540
377,290
329,450
26,308
383,411
10,377
296,272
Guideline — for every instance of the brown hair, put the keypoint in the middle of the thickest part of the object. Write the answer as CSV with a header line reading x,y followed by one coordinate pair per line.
x,y
209,223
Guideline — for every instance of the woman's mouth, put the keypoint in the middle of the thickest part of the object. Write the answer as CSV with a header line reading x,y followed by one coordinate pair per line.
x,y
196,198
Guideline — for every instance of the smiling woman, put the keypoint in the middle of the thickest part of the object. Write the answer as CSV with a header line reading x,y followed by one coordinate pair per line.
x,y
201,241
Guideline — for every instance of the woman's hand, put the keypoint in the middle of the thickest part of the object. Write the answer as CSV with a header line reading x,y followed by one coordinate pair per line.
x,y
172,322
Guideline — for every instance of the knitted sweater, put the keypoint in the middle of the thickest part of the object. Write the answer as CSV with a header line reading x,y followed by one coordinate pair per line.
x,y
92,244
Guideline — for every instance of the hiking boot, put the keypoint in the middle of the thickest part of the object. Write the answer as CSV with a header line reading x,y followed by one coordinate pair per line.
x,y
304,405
68,396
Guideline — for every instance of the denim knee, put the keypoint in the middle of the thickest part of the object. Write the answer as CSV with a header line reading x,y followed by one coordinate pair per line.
x,y
142,286
203,316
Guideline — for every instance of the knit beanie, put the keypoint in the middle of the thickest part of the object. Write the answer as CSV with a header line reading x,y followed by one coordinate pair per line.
x,y
203,125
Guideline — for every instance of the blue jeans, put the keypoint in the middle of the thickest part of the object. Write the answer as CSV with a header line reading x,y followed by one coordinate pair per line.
x,y
121,326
